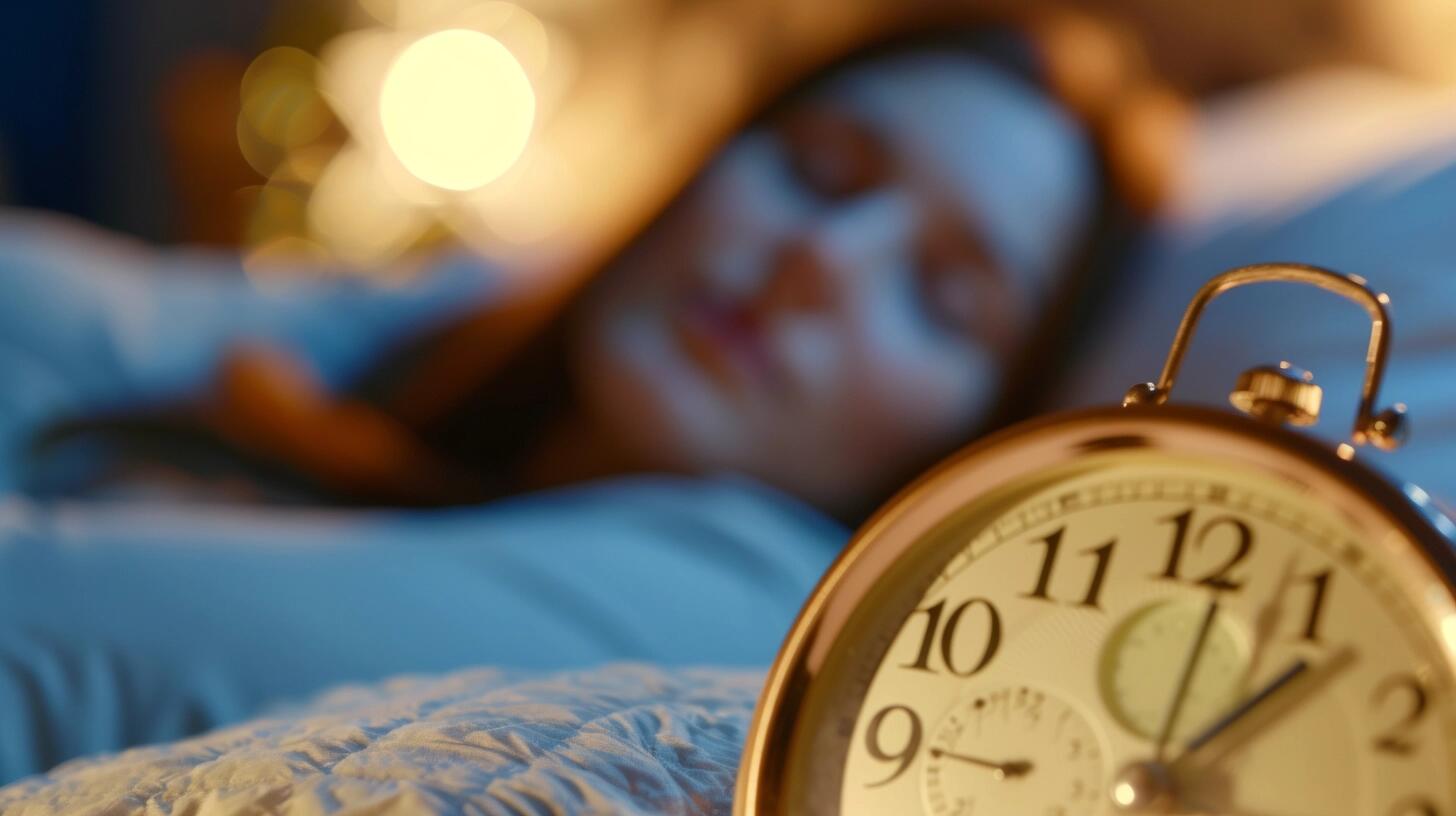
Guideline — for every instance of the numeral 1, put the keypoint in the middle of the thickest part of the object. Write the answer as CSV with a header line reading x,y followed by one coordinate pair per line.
x,y
1320,582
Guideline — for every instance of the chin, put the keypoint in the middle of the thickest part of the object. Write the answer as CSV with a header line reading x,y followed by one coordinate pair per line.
x,y
644,401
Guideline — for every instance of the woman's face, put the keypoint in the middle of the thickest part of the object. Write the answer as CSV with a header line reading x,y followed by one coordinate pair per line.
x,y
836,298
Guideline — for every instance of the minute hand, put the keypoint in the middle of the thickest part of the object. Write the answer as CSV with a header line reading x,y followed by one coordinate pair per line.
x,y
1186,679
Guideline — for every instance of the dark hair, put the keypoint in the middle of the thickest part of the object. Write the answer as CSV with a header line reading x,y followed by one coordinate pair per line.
x,y
523,397
1093,271
533,389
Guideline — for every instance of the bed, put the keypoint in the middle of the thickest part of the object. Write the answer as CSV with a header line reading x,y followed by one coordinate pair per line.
x,y
649,738
619,739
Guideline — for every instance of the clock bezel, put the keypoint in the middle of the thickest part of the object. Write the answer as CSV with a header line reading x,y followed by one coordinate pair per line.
x,y
1374,505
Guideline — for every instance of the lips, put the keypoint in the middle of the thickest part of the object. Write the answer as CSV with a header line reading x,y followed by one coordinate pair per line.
x,y
726,341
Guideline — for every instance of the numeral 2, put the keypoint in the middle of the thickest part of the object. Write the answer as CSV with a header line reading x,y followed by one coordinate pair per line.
x,y
1396,739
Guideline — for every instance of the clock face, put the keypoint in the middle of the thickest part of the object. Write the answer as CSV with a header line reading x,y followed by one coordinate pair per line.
x,y
1144,633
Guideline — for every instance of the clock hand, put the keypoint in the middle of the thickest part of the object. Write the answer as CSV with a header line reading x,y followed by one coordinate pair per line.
x,y
1186,680
1003,770
1280,681
1272,700
1270,616
1151,786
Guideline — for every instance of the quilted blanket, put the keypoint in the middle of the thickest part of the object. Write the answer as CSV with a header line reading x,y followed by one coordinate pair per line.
x,y
619,739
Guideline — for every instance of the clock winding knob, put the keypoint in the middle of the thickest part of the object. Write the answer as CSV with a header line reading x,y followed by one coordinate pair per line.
x,y
1281,394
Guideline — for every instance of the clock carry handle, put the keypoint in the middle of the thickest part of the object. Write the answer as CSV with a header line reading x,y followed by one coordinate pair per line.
x,y
1385,429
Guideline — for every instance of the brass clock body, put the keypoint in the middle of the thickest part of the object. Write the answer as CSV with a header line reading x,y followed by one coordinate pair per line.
x,y
1151,608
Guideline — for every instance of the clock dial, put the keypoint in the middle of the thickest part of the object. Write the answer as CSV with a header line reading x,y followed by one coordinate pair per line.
x,y
1135,681
1152,634
1024,748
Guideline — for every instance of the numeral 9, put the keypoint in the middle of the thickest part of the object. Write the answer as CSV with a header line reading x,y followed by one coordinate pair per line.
x,y
905,754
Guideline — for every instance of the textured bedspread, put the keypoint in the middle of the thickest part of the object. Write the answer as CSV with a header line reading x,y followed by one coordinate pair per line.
x,y
621,739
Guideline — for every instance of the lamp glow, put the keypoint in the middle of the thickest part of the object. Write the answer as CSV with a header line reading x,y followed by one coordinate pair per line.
x,y
457,109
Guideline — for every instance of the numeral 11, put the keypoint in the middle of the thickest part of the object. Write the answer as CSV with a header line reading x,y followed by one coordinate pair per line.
x,y
1053,544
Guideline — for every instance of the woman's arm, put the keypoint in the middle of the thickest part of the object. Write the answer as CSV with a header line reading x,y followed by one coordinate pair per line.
x,y
92,324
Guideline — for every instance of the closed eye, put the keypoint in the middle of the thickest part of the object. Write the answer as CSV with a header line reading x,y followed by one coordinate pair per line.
x,y
965,292
833,155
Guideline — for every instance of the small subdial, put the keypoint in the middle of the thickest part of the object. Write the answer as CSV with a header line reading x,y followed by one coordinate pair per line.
x,y
1137,684
1016,750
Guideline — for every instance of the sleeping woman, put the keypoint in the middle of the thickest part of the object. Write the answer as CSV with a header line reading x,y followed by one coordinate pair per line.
x,y
862,279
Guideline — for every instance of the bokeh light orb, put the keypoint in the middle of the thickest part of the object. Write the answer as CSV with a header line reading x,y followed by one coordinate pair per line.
x,y
457,109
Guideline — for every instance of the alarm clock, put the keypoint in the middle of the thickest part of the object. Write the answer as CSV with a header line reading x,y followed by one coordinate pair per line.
x,y
1145,608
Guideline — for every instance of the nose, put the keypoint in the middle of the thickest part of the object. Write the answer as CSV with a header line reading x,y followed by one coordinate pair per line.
x,y
801,278
821,262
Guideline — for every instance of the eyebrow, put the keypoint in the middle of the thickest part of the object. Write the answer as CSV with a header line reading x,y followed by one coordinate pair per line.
x,y
968,225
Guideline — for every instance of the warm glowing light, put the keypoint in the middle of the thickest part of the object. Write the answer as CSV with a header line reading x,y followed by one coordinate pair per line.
x,y
355,214
286,258
280,100
529,204
516,28
281,109
1124,794
457,109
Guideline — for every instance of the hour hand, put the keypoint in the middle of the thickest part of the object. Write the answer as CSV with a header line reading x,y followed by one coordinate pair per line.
x,y
1002,770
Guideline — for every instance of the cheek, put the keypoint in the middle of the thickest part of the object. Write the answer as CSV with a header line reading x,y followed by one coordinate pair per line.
x,y
629,368
637,390
883,414
912,386
736,207
743,207
907,405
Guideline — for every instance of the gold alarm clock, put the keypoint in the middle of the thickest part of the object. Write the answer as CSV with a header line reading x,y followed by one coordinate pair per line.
x,y
1152,608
